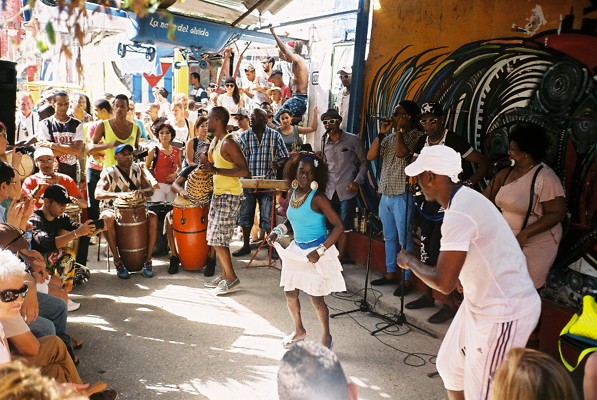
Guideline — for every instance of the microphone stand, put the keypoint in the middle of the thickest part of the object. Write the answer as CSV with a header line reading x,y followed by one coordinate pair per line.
x,y
364,306
400,318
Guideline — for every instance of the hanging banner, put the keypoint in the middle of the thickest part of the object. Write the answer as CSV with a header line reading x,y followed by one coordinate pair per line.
x,y
188,32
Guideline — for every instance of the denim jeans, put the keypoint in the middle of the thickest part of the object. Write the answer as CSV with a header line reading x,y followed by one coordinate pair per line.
x,y
345,209
248,207
392,212
42,327
53,309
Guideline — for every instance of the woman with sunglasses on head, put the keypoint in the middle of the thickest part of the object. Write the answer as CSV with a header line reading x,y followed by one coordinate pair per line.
x,y
231,100
430,217
194,146
290,133
164,161
310,263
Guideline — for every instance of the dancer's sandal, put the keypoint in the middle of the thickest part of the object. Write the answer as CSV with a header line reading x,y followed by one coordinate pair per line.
x,y
290,340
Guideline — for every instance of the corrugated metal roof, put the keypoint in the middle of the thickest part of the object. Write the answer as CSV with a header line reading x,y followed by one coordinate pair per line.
x,y
228,11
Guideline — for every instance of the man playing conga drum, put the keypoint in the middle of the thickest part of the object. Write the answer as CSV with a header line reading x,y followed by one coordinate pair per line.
x,y
126,180
195,186
227,164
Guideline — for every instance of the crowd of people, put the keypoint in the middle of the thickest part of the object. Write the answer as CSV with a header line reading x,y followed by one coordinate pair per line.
x,y
487,252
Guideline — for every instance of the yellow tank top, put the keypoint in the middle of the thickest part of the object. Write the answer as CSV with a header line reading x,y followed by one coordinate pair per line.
x,y
110,136
223,184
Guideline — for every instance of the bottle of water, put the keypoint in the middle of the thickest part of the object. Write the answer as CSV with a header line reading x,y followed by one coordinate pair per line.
x,y
357,220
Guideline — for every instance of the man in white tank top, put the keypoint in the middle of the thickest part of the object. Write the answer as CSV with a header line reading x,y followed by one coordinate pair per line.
x,y
501,306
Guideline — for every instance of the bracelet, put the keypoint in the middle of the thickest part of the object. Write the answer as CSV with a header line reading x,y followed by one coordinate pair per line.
x,y
320,250
283,229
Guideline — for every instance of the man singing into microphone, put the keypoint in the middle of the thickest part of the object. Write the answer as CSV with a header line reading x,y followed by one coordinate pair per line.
x,y
395,144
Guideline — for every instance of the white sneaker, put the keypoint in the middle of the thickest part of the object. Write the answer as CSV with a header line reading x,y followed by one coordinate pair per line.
x,y
213,283
72,306
225,287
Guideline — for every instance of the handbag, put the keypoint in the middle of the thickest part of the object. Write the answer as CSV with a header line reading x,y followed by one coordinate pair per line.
x,y
581,332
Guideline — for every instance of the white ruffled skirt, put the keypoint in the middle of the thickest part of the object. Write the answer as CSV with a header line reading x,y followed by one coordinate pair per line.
x,y
319,279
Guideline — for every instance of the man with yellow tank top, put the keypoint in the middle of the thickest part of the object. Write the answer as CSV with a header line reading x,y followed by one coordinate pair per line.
x,y
115,131
227,164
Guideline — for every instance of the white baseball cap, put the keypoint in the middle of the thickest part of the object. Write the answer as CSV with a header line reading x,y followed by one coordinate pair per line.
x,y
439,159
42,151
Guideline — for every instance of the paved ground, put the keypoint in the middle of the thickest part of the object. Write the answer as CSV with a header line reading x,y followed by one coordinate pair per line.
x,y
170,338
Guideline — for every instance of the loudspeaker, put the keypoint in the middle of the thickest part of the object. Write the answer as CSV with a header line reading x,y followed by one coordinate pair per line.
x,y
8,97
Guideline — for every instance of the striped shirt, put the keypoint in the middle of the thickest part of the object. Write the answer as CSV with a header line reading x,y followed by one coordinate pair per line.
x,y
260,155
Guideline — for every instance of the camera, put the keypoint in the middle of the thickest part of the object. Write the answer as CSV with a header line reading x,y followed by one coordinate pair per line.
x,y
99,224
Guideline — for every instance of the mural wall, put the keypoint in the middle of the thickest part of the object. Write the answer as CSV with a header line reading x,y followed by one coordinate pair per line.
x,y
493,64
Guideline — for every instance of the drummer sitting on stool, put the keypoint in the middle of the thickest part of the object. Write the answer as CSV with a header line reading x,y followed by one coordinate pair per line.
x,y
179,187
49,221
126,179
36,184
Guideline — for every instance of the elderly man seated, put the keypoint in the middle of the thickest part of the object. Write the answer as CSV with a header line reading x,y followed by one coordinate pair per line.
x,y
126,180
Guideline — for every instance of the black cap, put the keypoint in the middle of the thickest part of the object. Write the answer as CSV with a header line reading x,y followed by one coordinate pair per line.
x,y
410,107
58,193
433,108
331,113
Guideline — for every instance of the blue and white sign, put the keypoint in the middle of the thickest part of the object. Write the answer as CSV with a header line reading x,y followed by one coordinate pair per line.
x,y
189,32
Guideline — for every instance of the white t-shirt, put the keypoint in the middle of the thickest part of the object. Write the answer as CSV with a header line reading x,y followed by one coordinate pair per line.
x,y
4,351
67,132
26,127
495,278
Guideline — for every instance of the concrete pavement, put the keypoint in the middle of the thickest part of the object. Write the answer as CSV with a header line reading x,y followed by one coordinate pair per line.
x,y
170,338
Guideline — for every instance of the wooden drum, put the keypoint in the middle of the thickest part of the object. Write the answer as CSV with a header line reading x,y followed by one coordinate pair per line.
x,y
189,226
131,232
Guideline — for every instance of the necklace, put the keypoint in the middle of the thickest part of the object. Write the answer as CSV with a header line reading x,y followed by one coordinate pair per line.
x,y
438,141
296,203
525,172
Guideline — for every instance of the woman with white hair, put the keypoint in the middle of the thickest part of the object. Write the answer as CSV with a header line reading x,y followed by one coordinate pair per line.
x,y
12,294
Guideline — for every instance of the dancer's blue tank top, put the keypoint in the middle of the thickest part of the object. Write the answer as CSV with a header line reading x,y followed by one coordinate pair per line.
x,y
307,224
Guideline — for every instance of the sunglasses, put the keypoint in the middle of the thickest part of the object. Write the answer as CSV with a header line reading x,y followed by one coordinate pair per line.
x,y
14,240
10,295
330,121
344,76
229,85
431,121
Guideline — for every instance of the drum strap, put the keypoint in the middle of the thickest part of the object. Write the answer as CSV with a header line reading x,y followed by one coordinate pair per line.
x,y
126,178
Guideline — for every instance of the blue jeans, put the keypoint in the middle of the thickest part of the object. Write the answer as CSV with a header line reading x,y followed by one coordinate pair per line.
x,y
42,327
345,209
53,309
247,209
392,212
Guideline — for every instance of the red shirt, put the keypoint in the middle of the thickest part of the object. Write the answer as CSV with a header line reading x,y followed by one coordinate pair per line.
x,y
32,182
166,164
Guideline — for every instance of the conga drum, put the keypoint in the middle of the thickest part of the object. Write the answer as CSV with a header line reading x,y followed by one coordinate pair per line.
x,y
189,226
131,232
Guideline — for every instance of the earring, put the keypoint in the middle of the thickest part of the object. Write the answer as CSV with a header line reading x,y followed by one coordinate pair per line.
x,y
314,185
294,184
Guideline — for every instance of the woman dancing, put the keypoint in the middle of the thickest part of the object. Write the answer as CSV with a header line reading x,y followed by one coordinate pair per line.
x,y
310,263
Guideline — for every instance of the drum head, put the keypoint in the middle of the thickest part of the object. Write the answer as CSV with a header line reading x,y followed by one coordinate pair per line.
x,y
125,202
25,167
180,201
